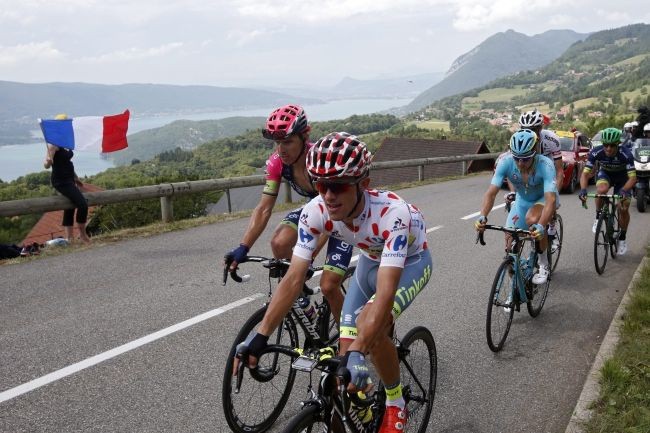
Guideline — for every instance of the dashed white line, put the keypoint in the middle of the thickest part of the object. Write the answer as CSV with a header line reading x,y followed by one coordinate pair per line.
x,y
475,214
74,368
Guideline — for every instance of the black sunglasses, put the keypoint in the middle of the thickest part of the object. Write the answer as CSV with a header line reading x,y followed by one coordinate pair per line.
x,y
322,186
522,159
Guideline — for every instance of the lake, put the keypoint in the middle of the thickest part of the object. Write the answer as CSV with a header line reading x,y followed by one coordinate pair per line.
x,y
19,159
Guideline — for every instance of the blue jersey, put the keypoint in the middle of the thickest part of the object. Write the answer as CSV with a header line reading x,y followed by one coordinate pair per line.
x,y
541,178
621,162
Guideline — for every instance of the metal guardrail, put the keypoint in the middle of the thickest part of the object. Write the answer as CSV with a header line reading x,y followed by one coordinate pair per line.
x,y
166,191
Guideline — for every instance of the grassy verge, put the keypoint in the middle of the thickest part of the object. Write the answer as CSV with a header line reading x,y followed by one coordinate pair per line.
x,y
624,402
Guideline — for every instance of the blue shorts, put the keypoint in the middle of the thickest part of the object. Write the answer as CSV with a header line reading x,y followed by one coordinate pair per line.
x,y
339,253
616,179
363,285
517,214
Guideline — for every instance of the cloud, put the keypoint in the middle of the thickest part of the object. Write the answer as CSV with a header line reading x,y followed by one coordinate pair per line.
x,y
328,10
240,37
33,51
473,15
133,53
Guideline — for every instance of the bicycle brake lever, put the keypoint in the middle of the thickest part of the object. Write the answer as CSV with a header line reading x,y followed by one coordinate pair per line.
x,y
479,238
240,375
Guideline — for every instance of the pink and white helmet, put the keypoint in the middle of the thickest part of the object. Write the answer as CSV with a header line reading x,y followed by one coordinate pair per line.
x,y
284,121
338,154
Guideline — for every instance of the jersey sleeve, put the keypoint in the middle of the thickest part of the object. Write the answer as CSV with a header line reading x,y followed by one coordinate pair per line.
x,y
310,226
551,145
501,171
273,173
591,160
395,227
631,171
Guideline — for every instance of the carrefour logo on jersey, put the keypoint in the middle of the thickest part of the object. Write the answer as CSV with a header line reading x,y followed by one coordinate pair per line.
x,y
400,242
304,236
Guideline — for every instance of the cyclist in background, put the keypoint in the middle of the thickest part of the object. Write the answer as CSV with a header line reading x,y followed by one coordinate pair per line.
x,y
289,128
533,178
394,265
548,145
616,169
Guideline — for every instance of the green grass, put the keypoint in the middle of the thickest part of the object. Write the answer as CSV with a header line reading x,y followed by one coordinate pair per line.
x,y
624,402
499,94
632,60
432,124
634,93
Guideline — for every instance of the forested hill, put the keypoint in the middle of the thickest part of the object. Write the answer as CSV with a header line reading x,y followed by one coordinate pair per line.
x,y
21,103
184,134
500,55
602,77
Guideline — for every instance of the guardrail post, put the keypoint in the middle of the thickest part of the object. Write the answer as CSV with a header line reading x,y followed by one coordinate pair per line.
x,y
166,209
464,168
228,198
420,173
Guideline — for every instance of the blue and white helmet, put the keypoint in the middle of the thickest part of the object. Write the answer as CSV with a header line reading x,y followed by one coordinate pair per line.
x,y
523,143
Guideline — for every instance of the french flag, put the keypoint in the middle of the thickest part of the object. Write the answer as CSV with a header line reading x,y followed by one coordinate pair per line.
x,y
93,133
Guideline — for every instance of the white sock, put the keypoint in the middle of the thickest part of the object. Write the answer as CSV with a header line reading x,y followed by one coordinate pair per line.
x,y
543,259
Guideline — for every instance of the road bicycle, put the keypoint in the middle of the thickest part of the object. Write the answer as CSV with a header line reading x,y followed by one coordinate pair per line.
x,y
513,286
331,408
270,384
607,230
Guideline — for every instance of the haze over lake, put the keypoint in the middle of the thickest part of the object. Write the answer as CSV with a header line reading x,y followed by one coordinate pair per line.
x,y
19,159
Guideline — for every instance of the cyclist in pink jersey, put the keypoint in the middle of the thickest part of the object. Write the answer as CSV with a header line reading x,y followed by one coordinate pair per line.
x,y
289,128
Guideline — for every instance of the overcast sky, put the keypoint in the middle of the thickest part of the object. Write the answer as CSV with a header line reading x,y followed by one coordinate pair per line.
x,y
270,43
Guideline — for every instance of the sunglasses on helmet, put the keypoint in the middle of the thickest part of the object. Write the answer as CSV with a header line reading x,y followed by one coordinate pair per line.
x,y
278,134
322,186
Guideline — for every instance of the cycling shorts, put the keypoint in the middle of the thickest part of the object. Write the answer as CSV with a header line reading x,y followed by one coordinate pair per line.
x,y
517,214
616,179
363,286
339,253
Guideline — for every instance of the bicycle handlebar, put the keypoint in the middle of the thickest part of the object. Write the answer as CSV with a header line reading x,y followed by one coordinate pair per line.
x,y
233,273
511,230
595,195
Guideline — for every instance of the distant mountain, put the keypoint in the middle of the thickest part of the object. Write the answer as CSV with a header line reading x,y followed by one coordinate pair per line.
x,y
498,56
185,134
408,86
21,103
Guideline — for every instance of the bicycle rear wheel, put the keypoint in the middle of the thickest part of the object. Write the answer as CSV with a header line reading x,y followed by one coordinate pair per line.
x,y
500,306
312,420
264,391
554,253
601,245
419,373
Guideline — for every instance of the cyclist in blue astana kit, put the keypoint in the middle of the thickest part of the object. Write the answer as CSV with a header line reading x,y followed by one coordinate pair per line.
x,y
616,169
289,128
394,265
533,177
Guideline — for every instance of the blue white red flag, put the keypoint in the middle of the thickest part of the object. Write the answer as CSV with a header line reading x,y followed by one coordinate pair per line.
x,y
91,133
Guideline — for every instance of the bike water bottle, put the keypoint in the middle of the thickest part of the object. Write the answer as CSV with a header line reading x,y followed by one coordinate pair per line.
x,y
308,306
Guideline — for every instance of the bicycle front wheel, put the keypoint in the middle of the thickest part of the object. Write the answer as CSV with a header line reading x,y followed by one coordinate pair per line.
x,y
312,420
601,245
613,232
264,391
500,306
419,373
555,250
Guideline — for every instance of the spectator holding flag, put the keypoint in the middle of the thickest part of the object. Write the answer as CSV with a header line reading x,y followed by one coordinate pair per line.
x,y
65,181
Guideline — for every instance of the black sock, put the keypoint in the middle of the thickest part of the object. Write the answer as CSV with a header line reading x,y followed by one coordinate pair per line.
x,y
621,235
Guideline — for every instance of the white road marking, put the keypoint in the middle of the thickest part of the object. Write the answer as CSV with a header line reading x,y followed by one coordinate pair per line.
x,y
74,368
475,214
434,229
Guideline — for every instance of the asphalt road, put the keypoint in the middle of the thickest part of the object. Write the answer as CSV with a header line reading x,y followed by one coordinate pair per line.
x,y
94,313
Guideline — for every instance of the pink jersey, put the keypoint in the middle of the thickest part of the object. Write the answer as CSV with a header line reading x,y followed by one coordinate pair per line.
x,y
276,170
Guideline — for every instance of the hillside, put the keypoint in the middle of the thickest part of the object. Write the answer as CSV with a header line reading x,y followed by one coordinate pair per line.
x,y
185,134
21,104
599,80
498,56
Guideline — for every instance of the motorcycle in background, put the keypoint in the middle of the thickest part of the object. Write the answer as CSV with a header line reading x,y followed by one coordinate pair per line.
x,y
641,153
